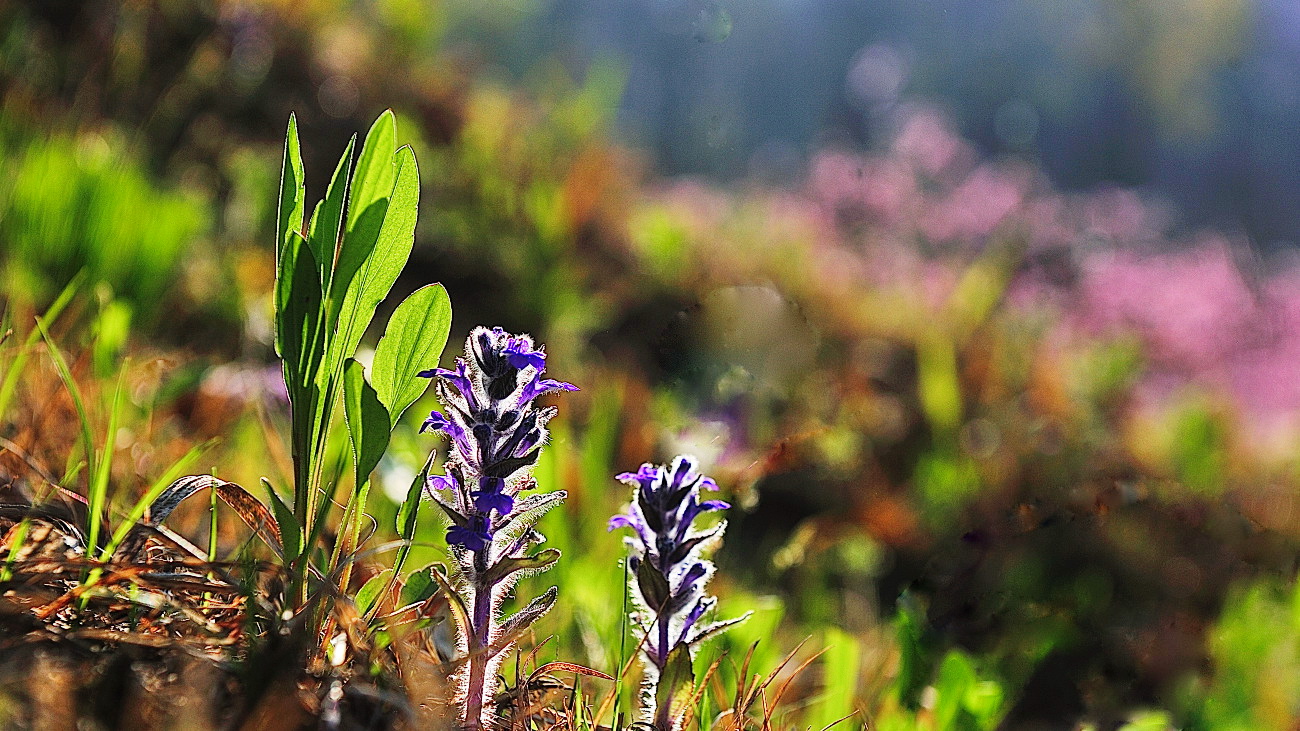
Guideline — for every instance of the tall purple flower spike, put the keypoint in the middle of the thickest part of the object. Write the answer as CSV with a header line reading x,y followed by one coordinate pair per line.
x,y
669,574
496,433
496,429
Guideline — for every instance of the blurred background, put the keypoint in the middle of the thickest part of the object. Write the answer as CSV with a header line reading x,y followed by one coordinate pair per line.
x,y
985,314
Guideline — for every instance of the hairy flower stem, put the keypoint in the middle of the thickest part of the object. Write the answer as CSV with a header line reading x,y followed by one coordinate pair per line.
x,y
663,714
478,650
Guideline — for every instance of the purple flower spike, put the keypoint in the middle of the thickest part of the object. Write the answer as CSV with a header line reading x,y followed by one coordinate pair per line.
x,y
496,431
669,573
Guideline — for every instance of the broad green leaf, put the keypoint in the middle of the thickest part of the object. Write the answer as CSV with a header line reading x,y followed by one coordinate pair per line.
x,y
290,528
372,590
293,192
983,700
380,269
419,586
412,342
372,183
327,221
376,171
956,676
367,420
841,663
297,312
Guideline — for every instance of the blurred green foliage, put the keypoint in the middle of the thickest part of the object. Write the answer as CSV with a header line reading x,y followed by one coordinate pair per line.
x,y
71,202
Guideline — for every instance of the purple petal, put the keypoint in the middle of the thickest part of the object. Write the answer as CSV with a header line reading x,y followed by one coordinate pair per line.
x,y
539,386
522,359
491,484
471,539
644,477
714,505
620,521
441,482
486,502
458,378
436,422
693,575
696,612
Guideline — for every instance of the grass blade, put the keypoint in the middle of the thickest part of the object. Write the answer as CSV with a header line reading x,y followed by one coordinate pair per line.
x,y
137,512
65,374
98,492
10,383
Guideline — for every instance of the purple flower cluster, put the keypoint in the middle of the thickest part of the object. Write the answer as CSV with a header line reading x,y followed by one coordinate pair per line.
x,y
669,572
496,431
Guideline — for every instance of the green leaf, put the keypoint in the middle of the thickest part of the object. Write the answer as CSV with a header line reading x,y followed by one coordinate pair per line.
x,y
412,342
520,621
367,421
372,183
841,663
380,269
956,676
293,191
983,701
455,602
539,561
327,222
18,365
419,586
297,313
676,684
98,491
1149,721
371,591
112,330
65,375
290,528
376,171
408,513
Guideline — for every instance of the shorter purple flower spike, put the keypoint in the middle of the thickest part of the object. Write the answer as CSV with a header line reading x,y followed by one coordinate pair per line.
x,y
669,573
